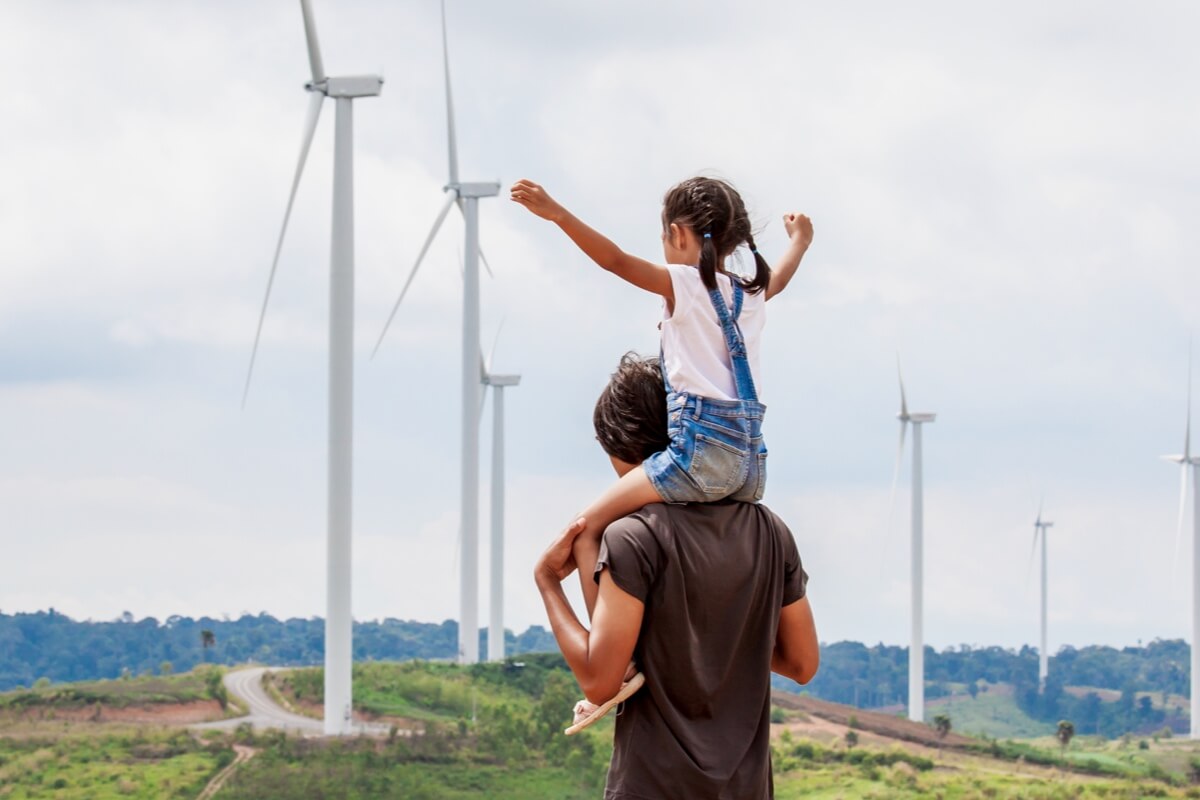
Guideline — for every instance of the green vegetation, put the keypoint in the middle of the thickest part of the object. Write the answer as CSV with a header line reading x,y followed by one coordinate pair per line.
x,y
993,713
201,684
495,730
138,764
50,645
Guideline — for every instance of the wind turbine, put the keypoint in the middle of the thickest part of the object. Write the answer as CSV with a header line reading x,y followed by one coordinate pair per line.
x,y
1185,460
1039,530
916,650
338,621
496,601
466,196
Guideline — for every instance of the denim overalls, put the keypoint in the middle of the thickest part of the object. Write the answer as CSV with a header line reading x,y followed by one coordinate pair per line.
x,y
716,448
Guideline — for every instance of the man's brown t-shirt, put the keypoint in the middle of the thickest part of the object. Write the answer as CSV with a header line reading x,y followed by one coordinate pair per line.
x,y
713,577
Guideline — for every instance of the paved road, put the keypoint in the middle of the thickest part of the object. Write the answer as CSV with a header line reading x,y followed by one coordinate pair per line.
x,y
265,713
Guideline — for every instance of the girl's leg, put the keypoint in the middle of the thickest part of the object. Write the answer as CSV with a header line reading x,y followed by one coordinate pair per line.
x,y
632,491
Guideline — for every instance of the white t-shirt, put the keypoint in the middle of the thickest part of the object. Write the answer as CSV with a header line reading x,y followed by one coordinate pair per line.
x,y
694,351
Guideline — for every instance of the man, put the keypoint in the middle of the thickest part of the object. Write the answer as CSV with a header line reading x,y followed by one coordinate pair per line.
x,y
708,599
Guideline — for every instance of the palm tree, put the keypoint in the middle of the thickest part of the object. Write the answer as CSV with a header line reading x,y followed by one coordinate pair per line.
x,y
1066,730
207,639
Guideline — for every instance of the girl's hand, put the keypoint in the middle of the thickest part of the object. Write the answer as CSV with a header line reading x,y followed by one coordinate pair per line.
x,y
798,227
535,198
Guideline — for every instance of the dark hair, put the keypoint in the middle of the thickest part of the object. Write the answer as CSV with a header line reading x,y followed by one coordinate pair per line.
x,y
631,413
714,210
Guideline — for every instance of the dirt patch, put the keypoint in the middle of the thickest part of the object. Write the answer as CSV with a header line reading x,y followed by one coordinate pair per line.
x,y
871,721
155,713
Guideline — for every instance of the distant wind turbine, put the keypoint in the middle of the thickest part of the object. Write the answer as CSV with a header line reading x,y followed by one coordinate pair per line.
x,y
1039,531
1186,460
916,650
496,584
338,621
466,196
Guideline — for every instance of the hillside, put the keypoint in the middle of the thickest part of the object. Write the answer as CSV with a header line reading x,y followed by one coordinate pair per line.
x,y
458,732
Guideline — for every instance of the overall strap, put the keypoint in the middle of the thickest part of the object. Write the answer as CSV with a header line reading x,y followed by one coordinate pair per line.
x,y
742,379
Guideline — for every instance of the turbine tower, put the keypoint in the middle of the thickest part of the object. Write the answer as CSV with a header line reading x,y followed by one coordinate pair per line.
x,y
496,601
1039,530
916,650
338,620
466,196
1186,460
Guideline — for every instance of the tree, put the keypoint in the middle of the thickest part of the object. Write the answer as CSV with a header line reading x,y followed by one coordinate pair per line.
x,y
942,723
973,689
1066,731
207,639
851,738
166,668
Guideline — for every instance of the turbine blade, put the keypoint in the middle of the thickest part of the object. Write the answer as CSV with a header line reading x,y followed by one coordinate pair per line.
x,y
896,477
903,399
450,134
491,359
486,266
314,47
437,224
310,128
1183,487
1037,528
1187,425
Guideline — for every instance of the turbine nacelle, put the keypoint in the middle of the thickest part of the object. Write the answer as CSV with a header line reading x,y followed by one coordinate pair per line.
x,y
349,86
501,380
465,190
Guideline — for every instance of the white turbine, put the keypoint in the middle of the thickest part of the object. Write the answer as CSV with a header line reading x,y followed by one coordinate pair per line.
x,y
916,650
338,620
1186,460
1039,531
466,197
496,600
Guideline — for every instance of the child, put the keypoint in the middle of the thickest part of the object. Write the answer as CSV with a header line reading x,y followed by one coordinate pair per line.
x,y
711,327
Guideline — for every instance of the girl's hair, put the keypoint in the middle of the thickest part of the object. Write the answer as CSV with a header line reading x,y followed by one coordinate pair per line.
x,y
714,210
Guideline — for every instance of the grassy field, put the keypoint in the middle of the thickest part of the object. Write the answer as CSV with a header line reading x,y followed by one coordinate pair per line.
x,y
993,714
495,731
136,763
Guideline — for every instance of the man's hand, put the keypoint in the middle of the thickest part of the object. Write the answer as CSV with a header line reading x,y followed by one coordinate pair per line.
x,y
799,228
535,198
558,561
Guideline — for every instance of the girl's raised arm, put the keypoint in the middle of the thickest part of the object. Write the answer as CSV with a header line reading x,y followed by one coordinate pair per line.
x,y
800,231
641,273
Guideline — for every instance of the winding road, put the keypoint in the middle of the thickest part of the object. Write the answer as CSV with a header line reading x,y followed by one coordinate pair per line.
x,y
265,713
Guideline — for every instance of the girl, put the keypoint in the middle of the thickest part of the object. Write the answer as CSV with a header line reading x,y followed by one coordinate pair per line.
x,y
711,327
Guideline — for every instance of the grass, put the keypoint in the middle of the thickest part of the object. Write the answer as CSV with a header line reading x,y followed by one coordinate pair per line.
x,y
115,693
132,764
990,714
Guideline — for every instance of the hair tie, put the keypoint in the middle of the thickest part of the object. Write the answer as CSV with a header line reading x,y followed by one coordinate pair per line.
x,y
708,236
753,249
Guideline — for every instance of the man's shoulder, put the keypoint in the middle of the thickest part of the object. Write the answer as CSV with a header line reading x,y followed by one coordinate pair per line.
x,y
659,519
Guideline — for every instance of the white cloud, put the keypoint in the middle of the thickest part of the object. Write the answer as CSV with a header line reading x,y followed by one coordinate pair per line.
x,y
1002,196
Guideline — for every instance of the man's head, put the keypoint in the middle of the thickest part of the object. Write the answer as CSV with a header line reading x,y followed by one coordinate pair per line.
x,y
631,414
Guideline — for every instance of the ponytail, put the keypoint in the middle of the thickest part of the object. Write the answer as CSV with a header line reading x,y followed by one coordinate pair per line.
x,y
762,270
708,262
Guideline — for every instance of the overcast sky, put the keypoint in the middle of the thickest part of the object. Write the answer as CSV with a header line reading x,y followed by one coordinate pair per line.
x,y
1001,193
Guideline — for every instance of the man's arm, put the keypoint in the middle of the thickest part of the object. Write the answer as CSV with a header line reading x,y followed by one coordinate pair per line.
x,y
797,654
597,657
